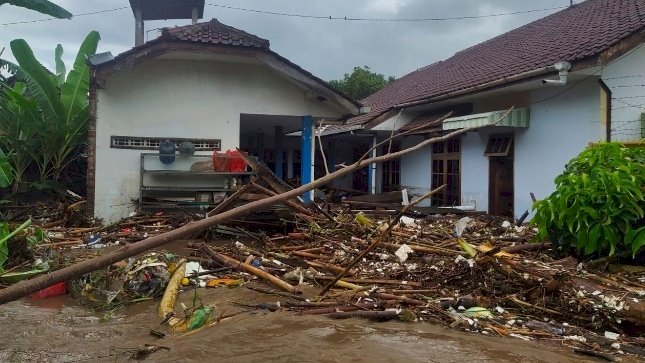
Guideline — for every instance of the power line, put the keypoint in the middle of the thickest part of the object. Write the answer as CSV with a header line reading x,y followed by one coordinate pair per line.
x,y
346,18
74,16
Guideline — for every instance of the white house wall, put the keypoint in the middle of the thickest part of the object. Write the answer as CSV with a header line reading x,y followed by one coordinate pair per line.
x,y
182,98
416,168
562,125
625,78
474,170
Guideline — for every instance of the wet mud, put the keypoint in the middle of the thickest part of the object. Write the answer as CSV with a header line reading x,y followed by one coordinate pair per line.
x,y
60,330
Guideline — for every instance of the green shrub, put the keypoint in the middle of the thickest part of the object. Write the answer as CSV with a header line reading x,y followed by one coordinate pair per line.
x,y
598,203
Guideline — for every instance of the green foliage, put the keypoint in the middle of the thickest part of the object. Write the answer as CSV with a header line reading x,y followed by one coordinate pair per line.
x,y
6,171
598,203
50,119
361,83
18,115
41,6
5,235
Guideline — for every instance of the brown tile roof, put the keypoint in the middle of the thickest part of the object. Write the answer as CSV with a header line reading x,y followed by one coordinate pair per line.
x,y
575,33
214,32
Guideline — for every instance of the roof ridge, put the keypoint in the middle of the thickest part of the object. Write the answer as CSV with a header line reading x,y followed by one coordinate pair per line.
x,y
233,36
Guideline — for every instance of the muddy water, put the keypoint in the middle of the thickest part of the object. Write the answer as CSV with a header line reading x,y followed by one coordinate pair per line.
x,y
59,330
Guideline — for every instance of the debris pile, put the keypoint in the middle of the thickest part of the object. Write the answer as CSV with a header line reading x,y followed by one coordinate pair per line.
x,y
476,273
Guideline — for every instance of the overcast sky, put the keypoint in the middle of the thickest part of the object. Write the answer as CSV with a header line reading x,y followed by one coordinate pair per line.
x,y
327,48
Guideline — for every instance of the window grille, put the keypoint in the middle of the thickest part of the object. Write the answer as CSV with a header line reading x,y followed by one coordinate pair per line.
x,y
499,145
152,143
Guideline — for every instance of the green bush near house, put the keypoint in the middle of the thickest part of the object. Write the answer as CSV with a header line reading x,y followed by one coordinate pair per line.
x,y
598,205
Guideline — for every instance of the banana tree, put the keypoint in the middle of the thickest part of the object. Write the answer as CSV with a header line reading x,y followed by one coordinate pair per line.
x,y
62,101
18,116
41,6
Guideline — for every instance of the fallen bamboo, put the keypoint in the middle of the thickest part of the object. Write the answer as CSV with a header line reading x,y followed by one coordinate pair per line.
x,y
26,287
289,203
404,299
329,267
310,255
425,249
248,268
373,281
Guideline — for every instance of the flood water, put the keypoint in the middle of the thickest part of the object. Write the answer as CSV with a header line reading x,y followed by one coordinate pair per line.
x,y
59,330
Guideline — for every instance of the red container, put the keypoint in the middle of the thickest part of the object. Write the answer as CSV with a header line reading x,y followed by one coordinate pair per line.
x,y
236,162
54,290
221,162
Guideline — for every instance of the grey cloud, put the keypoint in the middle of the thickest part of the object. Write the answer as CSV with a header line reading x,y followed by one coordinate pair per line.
x,y
327,48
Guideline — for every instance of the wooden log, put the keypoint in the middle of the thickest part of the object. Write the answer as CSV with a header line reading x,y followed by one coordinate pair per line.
x,y
404,299
226,203
248,268
409,292
330,267
373,281
289,203
425,249
27,287
310,255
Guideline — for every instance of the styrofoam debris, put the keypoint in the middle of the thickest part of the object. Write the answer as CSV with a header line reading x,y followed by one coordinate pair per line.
x,y
403,252
611,335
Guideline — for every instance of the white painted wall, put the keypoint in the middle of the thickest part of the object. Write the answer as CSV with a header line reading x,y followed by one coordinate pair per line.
x,y
561,127
182,98
416,169
626,77
474,170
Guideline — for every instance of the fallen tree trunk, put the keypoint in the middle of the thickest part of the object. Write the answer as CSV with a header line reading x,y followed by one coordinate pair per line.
x,y
248,268
38,283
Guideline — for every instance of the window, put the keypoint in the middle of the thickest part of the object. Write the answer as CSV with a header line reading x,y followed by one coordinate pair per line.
x,y
391,171
152,143
499,145
446,167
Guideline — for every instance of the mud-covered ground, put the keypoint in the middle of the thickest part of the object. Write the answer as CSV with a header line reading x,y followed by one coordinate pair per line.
x,y
59,330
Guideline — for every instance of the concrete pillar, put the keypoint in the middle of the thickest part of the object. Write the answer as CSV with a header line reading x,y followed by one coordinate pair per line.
x,y
278,150
289,164
138,27
307,156
195,15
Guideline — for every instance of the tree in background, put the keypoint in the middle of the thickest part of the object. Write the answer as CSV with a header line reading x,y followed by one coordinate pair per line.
x,y
41,6
361,83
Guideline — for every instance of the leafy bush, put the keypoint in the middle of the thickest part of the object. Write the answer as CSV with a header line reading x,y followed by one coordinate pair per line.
x,y
598,203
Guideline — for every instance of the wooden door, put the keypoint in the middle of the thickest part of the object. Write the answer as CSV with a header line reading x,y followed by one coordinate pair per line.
x,y
500,188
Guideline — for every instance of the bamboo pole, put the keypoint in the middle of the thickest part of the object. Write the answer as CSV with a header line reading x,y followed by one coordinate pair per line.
x,y
248,268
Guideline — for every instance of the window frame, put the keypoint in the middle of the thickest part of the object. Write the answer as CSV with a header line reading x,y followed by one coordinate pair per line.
x,y
499,145
445,153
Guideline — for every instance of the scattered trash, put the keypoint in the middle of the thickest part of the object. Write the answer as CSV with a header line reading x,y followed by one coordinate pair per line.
x,y
402,252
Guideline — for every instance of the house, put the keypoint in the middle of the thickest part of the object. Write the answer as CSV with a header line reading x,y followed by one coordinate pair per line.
x,y
574,77
210,84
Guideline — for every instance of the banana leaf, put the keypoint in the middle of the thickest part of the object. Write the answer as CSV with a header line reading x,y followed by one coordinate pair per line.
x,y
41,6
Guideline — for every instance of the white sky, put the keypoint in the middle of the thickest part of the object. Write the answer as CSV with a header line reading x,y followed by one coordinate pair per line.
x,y
327,48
